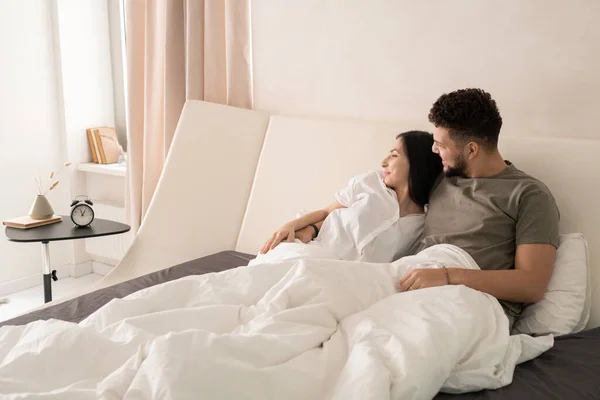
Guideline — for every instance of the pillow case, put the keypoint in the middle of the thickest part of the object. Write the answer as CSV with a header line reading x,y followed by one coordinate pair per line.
x,y
565,307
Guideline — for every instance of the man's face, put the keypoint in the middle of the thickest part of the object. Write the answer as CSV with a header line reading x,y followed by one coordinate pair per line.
x,y
451,153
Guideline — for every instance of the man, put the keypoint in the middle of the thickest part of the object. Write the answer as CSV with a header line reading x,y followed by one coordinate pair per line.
x,y
505,219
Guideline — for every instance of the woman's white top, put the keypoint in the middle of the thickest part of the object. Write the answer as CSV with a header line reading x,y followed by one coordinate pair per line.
x,y
370,228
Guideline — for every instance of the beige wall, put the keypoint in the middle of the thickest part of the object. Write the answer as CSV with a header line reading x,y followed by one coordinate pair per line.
x,y
384,59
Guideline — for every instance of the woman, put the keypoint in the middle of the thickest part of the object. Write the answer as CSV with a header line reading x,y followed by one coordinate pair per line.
x,y
378,217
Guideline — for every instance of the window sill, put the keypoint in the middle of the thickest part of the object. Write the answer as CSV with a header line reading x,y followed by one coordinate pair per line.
x,y
104,169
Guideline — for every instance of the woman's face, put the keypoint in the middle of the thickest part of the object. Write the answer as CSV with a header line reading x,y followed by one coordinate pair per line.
x,y
395,166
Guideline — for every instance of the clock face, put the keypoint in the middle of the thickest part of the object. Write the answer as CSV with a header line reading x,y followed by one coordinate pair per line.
x,y
82,215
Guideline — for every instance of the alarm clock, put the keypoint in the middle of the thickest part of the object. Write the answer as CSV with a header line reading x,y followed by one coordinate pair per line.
x,y
82,213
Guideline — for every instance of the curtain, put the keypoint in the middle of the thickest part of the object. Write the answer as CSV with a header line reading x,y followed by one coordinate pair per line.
x,y
178,50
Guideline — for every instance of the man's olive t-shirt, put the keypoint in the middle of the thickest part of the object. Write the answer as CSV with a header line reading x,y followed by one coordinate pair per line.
x,y
490,217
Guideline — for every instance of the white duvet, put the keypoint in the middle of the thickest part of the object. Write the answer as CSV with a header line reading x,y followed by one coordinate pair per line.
x,y
299,329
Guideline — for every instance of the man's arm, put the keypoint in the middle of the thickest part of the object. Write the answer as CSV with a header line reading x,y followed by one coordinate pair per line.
x,y
527,283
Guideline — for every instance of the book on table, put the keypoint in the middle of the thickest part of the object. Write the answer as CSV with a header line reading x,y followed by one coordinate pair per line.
x,y
26,222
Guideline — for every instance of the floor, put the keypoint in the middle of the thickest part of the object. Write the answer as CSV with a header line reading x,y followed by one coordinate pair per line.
x,y
21,302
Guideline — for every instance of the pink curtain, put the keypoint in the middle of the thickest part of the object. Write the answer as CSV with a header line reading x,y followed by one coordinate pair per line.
x,y
178,50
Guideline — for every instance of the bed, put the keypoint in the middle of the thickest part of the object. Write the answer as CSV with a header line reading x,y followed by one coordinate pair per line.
x,y
567,371
237,216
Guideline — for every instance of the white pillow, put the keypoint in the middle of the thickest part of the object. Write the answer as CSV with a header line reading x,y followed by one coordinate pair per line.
x,y
565,307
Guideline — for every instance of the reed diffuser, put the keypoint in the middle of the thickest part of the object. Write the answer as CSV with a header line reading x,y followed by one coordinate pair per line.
x,y
41,208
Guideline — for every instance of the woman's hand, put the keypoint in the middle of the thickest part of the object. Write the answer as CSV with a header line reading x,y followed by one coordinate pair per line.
x,y
287,232
296,229
305,234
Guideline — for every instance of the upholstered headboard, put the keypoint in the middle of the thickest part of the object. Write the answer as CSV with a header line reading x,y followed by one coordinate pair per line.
x,y
202,192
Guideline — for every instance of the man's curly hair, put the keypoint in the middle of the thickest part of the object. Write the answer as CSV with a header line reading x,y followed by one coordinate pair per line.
x,y
468,114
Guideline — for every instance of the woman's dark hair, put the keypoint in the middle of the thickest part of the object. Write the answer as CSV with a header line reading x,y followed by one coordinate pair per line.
x,y
424,165
468,114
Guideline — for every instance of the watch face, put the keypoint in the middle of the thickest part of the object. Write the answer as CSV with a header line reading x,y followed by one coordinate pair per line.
x,y
82,215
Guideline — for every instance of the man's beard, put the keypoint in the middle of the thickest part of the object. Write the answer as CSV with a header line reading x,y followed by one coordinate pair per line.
x,y
459,169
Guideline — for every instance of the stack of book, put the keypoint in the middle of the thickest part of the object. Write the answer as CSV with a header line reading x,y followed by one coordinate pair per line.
x,y
26,222
104,145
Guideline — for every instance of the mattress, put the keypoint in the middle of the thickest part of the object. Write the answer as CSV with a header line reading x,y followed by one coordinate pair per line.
x,y
570,370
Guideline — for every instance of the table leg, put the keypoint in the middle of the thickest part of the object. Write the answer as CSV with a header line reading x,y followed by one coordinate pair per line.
x,y
47,276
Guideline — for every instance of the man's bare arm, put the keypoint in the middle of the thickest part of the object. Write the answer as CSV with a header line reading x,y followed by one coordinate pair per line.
x,y
527,283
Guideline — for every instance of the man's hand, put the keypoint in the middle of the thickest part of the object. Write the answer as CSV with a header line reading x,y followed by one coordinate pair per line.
x,y
422,278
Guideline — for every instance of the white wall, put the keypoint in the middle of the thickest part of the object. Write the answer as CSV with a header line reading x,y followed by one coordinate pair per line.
x,y
29,116
87,84
382,59
116,29
86,71
56,80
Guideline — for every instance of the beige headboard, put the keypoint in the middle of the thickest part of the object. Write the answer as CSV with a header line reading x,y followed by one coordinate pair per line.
x,y
305,161
201,196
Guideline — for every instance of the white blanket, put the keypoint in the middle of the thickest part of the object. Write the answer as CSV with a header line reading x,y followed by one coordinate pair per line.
x,y
303,329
